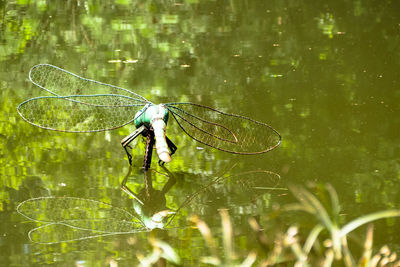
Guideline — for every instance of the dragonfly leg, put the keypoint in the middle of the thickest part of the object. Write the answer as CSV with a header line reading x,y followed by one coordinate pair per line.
x,y
126,189
149,149
172,147
127,140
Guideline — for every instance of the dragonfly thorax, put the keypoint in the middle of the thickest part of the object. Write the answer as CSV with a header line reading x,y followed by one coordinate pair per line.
x,y
155,117
149,113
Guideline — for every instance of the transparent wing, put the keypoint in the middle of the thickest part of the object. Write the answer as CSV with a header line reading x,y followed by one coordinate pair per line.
x,y
237,191
60,82
227,132
79,113
70,218
247,186
54,233
64,209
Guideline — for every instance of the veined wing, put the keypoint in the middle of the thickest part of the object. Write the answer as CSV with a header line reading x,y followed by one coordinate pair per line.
x,y
60,82
247,186
243,189
80,113
70,219
70,209
227,132
54,233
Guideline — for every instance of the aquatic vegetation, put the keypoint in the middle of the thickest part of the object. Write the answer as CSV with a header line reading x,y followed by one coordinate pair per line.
x,y
328,220
229,257
291,248
161,251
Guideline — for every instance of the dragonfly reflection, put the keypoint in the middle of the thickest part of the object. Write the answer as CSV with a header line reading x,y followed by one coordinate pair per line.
x,y
65,219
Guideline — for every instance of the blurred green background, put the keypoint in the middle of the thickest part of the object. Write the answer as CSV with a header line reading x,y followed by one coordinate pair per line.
x,y
324,74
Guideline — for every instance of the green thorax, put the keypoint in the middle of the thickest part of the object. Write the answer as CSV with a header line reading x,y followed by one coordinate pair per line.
x,y
150,112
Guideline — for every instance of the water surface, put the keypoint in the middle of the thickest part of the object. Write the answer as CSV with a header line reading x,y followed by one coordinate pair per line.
x,y
325,75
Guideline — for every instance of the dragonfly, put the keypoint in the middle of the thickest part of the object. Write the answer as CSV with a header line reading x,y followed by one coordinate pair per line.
x,y
66,218
80,105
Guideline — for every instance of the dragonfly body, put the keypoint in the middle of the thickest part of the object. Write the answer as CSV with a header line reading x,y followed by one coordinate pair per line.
x,y
79,104
154,118
150,113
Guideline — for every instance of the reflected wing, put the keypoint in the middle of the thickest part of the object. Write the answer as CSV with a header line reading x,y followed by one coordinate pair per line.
x,y
227,132
64,209
241,191
54,233
69,218
247,186
63,83
79,113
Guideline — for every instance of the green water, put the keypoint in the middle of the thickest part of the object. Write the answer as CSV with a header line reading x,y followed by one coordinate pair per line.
x,y
324,75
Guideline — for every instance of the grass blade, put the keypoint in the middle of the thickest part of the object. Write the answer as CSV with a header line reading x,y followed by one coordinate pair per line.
x,y
334,199
206,233
168,252
250,259
312,236
368,218
311,202
366,257
227,235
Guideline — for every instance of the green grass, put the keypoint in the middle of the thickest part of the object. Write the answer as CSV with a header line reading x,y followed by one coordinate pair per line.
x,y
324,245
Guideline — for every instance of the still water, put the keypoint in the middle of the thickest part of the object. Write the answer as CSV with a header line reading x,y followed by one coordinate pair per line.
x,y
324,75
